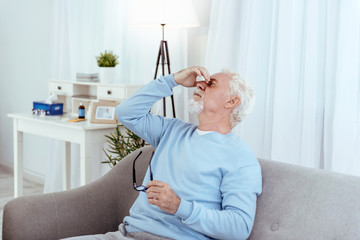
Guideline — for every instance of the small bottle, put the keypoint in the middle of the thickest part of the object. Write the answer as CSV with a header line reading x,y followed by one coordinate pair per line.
x,y
81,111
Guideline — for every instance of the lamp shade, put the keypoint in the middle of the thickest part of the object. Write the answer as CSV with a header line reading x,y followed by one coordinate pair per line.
x,y
152,13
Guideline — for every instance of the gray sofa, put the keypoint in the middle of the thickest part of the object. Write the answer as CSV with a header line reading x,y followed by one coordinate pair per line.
x,y
296,203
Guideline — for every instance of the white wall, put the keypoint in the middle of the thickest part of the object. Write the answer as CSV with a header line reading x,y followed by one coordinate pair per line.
x,y
197,37
24,71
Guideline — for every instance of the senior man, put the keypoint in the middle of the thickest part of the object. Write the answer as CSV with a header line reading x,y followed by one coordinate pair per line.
x,y
203,180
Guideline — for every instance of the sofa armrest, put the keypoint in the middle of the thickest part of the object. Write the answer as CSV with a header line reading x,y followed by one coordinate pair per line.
x,y
98,207
63,214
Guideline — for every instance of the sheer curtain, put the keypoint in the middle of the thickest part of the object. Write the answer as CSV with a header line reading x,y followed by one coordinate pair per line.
x,y
302,59
84,28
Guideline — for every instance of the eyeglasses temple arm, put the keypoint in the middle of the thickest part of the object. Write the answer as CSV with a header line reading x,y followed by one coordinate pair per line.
x,y
134,176
151,174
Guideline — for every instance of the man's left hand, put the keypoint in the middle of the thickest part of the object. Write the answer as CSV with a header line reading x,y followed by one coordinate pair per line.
x,y
160,194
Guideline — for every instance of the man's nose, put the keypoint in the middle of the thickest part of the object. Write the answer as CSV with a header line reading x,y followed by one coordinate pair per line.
x,y
201,85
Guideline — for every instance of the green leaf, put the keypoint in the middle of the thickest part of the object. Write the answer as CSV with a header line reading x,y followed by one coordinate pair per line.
x,y
107,59
120,145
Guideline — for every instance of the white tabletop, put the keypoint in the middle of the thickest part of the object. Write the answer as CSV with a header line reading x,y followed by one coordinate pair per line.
x,y
62,120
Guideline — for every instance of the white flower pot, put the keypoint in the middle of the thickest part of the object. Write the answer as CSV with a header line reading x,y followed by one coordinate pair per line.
x,y
107,74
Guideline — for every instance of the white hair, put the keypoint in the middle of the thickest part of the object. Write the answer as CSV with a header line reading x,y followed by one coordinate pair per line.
x,y
239,87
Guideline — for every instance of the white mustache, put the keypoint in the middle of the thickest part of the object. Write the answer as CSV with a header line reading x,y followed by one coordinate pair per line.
x,y
199,92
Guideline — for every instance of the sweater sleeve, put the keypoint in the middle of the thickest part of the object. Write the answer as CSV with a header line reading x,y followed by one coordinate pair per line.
x,y
134,113
236,218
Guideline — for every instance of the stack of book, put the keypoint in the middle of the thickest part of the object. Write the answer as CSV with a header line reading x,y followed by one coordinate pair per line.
x,y
87,77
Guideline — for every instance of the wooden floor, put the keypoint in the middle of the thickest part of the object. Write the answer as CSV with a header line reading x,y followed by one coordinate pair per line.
x,y
7,189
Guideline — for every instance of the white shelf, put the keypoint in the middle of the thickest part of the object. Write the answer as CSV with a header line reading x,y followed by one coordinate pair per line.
x,y
68,91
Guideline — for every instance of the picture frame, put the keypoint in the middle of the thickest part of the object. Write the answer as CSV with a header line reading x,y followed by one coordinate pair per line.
x,y
104,112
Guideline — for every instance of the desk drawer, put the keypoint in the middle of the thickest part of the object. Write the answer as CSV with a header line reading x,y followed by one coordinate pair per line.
x,y
61,88
111,92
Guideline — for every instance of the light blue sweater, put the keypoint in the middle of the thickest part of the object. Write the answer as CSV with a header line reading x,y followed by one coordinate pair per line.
x,y
216,176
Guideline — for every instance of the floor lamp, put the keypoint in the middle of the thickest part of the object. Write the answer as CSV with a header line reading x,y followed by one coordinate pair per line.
x,y
173,14
163,58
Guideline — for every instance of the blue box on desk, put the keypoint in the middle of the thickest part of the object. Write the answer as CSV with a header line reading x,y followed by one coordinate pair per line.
x,y
51,109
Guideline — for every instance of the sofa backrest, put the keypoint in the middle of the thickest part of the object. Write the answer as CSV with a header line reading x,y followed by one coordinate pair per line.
x,y
296,202
305,203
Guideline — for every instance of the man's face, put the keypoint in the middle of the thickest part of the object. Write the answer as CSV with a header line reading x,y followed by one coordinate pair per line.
x,y
211,97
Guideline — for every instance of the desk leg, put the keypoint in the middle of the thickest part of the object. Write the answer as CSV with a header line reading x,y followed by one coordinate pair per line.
x,y
85,160
66,166
18,161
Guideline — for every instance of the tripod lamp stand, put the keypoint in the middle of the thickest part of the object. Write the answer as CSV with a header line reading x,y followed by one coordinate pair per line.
x,y
173,14
163,58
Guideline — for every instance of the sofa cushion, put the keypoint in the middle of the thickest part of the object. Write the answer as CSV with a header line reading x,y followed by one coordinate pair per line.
x,y
305,203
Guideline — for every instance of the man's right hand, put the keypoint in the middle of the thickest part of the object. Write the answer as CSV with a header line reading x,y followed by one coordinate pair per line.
x,y
187,76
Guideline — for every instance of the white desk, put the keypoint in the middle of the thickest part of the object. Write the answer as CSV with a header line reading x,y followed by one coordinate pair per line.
x,y
84,133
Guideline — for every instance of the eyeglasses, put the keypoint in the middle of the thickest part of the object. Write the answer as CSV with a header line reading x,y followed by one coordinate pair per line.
x,y
141,188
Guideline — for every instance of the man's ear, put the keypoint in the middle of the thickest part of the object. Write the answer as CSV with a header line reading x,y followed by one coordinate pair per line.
x,y
232,101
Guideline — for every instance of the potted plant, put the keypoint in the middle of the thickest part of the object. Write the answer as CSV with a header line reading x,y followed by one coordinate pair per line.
x,y
107,62
121,145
